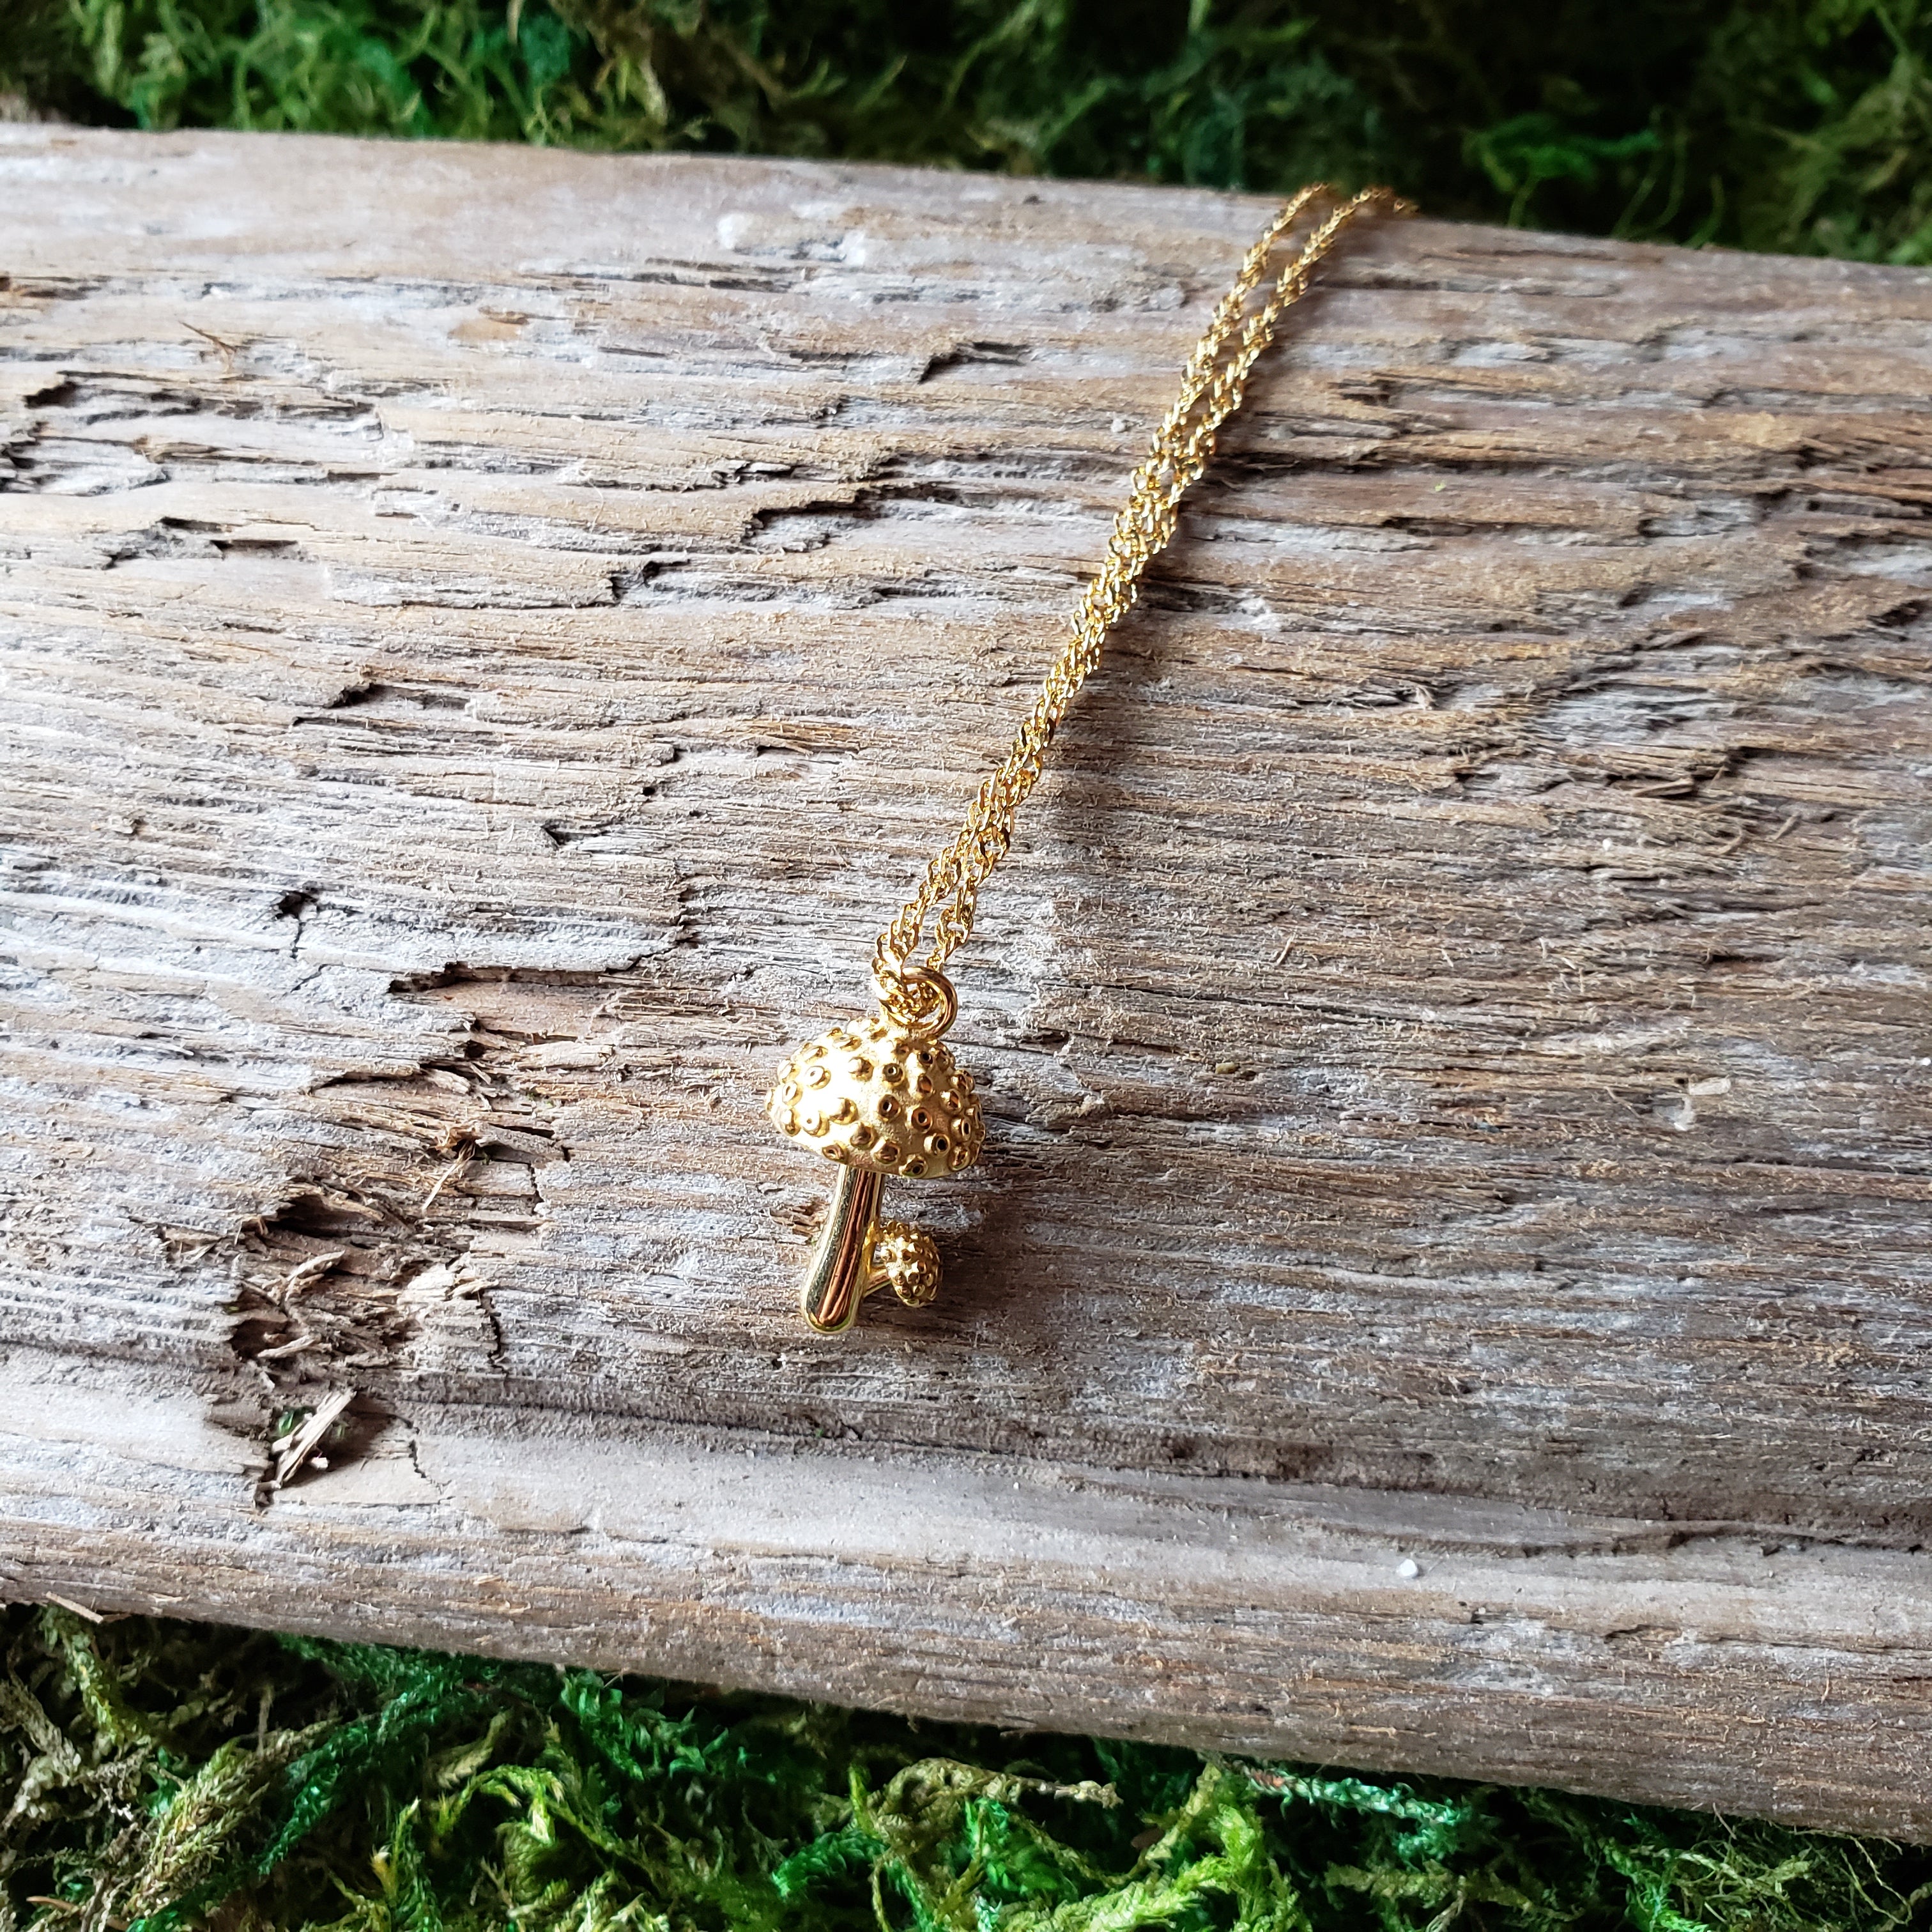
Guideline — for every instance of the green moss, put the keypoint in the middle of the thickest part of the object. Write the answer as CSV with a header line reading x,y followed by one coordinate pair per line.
x,y
167,1775
1788,124
163,1776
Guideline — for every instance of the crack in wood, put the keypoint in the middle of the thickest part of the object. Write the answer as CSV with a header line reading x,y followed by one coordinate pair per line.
x,y
1452,1025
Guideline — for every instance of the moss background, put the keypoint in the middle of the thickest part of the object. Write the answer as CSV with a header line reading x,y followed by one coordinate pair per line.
x,y
163,1776
1800,125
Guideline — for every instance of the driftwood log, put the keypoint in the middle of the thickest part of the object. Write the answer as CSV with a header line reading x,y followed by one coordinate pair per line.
x,y
490,635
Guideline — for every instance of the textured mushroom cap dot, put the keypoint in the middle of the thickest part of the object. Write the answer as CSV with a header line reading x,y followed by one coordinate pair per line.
x,y
910,1261
866,1094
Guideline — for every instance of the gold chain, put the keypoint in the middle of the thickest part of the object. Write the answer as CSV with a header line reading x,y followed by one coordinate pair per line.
x,y
1211,389
883,1097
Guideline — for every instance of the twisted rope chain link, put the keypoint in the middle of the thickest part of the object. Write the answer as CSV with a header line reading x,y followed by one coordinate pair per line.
x,y
1212,386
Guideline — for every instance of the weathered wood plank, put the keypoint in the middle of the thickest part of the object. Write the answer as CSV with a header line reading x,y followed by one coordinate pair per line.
x,y
489,635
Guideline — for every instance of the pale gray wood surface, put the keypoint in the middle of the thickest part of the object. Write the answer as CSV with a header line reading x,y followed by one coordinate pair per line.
x,y
488,636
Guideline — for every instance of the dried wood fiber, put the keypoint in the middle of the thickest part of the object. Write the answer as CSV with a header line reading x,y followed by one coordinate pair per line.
x,y
490,635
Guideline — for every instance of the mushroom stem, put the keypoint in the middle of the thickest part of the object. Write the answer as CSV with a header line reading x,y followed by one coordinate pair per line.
x,y
840,1271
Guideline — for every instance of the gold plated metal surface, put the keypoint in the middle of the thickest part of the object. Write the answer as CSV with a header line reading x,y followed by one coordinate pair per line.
x,y
882,1096
878,1096
839,1274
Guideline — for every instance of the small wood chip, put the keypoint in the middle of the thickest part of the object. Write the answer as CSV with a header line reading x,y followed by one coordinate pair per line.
x,y
300,1445
311,1270
79,1609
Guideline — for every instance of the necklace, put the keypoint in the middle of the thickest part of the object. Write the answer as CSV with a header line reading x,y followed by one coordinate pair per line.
x,y
883,1096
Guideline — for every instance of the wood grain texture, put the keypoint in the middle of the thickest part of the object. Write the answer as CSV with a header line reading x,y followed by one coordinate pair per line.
x,y
489,636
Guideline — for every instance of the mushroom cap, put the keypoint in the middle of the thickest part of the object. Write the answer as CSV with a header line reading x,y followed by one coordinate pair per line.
x,y
869,1094
909,1260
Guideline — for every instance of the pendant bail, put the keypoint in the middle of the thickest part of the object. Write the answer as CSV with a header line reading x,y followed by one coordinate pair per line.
x,y
919,1000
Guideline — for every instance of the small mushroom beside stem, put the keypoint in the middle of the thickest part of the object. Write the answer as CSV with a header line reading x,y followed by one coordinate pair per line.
x,y
876,1097
856,1254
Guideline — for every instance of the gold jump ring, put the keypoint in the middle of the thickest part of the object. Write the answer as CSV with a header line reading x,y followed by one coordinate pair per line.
x,y
919,998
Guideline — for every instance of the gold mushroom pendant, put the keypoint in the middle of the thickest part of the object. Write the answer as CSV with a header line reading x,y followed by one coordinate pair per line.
x,y
878,1096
